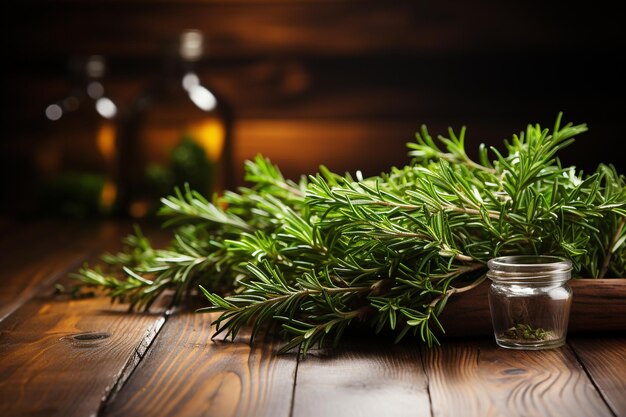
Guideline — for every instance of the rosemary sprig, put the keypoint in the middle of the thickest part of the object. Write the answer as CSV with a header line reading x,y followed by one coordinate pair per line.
x,y
318,255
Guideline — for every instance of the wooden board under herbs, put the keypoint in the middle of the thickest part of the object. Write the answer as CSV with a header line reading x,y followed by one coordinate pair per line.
x,y
598,305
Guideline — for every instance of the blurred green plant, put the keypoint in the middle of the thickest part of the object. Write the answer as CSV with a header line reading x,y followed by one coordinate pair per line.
x,y
75,194
72,194
188,164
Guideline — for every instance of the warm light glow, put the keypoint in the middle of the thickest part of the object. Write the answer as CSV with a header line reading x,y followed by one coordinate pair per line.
x,y
191,45
106,107
106,141
95,90
138,209
96,66
71,103
108,194
190,80
210,135
48,158
54,112
202,97
157,142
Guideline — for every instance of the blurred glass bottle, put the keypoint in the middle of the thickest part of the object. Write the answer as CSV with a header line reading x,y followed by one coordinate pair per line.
x,y
77,159
178,132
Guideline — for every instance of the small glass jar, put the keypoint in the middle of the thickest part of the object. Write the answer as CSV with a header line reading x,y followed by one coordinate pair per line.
x,y
530,301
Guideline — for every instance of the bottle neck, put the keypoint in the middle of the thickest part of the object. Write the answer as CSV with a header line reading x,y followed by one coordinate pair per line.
x,y
177,67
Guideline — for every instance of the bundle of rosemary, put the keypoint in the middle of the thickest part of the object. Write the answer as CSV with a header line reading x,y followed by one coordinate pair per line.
x,y
331,250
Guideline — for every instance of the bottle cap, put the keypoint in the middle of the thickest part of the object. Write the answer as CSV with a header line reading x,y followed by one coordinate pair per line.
x,y
191,45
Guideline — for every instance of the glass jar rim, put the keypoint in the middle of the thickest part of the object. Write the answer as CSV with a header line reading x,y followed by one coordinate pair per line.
x,y
529,269
530,263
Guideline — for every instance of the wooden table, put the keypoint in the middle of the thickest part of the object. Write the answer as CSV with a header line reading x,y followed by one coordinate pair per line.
x,y
61,356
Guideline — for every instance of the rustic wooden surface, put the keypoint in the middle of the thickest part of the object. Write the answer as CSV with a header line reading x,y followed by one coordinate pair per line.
x,y
605,361
23,272
186,373
86,357
360,380
479,379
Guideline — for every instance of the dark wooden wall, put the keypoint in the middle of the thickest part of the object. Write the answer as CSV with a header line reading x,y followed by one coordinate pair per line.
x,y
343,83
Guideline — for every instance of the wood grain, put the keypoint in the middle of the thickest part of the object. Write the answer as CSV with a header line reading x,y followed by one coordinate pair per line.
x,y
61,356
599,305
19,234
604,358
473,308
338,27
34,256
299,147
477,378
362,380
185,373
19,284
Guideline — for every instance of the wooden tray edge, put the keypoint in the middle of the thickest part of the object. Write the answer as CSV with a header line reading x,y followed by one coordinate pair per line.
x,y
598,305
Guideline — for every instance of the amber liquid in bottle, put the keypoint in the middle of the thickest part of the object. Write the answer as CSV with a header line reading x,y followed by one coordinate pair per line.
x,y
178,133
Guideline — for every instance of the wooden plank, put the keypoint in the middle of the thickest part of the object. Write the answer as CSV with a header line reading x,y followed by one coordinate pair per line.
x,y
299,147
468,314
19,285
186,373
339,27
21,234
39,249
36,255
61,356
362,380
598,305
604,358
477,378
